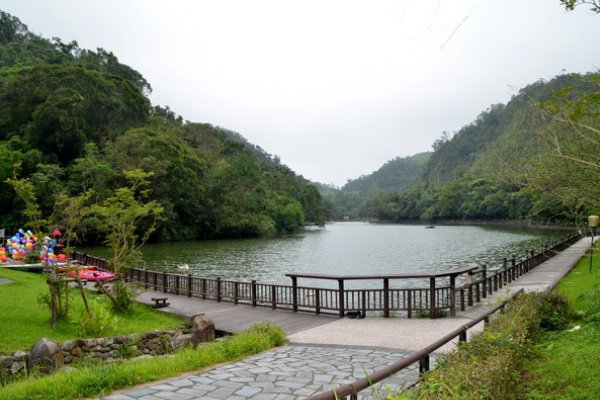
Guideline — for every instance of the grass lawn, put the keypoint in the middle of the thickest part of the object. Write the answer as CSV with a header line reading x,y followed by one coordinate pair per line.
x,y
102,379
24,320
565,364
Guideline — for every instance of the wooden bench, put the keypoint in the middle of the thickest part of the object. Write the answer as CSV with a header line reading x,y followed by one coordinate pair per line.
x,y
160,302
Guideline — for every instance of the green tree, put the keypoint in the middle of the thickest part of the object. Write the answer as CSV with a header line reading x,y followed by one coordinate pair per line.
x,y
128,221
571,4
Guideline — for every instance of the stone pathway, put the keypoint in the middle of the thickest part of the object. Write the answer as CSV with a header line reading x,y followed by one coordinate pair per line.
x,y
285,373
4,280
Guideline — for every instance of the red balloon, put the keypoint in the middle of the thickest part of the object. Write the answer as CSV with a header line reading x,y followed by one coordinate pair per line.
x,y
57,233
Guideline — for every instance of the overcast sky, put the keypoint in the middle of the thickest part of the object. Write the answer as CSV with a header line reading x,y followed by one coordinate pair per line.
x,y
334,88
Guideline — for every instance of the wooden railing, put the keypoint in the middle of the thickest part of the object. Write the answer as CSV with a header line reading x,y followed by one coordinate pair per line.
x,y
351,390
87,259
445,293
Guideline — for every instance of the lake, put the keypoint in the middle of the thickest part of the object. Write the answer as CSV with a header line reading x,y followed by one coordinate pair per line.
x,y
346,248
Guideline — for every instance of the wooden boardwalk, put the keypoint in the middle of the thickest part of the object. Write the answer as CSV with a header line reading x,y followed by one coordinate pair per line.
x,y
231,318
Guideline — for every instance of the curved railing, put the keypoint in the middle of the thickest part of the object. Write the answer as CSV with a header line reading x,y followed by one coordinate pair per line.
x,y
444,294
422,356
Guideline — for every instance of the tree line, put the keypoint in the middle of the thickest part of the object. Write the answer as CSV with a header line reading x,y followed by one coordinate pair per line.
x,y
536,158
75,121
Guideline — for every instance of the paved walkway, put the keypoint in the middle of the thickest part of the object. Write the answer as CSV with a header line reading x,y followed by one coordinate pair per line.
x,y
338,350
285,373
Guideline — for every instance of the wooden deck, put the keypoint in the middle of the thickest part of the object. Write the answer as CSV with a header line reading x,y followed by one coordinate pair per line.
x,y
232,318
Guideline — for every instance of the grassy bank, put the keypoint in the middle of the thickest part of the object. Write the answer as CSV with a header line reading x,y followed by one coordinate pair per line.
x,y
543,347
564,365
102,379
25,320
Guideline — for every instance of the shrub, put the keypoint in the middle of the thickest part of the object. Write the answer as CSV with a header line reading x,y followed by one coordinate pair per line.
x,y
555,311
490,365
101,323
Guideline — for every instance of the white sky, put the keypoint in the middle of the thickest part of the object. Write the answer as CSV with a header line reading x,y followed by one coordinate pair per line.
x,y
334,87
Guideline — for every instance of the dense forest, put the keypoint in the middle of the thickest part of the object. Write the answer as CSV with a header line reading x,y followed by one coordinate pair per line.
x,y
535,159
351,200
74,120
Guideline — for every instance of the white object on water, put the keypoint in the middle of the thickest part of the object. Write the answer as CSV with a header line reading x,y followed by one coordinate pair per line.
x,y
183,266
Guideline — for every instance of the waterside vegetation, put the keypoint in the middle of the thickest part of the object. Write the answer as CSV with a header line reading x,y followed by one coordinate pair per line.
x,y
541,347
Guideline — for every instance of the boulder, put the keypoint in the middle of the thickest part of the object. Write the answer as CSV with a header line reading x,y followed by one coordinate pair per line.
x,y
182,340
45,356
203,329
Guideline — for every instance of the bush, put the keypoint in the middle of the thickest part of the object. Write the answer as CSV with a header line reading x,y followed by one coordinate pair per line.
x,y
489,366
101,323
555,311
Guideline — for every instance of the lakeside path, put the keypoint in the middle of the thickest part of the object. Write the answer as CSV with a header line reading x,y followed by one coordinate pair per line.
x,y
326,351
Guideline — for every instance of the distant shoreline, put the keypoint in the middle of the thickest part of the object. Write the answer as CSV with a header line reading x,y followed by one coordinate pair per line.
x,y
507,223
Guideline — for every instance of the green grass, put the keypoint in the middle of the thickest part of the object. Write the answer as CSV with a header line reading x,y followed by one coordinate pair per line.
x,y
24,320
580,280
102,379
565,363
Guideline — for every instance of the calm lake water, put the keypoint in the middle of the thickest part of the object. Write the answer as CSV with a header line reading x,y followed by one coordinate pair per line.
x,y
347,248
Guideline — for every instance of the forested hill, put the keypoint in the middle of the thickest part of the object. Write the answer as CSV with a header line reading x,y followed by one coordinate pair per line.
x,y
536,158
395,175
72,120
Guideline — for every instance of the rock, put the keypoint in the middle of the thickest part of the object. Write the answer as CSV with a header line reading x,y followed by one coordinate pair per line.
x,y
68,345
120,339
76,352
182,340
68,359
45,355
21,356
143,357
6,361
134,337
17,367
203,329
68,369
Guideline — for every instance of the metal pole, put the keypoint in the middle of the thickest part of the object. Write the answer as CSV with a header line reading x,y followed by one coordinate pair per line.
x,y
592,250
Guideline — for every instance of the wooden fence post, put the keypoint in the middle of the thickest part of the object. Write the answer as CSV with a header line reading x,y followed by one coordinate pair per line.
x,y
452,295
253,291
432,308
341,301
484,281
218,289
424,365
386,298
236,292
295,293
189,285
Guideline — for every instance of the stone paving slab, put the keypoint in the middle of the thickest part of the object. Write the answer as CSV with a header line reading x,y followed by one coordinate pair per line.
x,y
288,372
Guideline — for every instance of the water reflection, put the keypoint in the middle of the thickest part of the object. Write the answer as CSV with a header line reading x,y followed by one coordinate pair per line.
x,y
348,248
